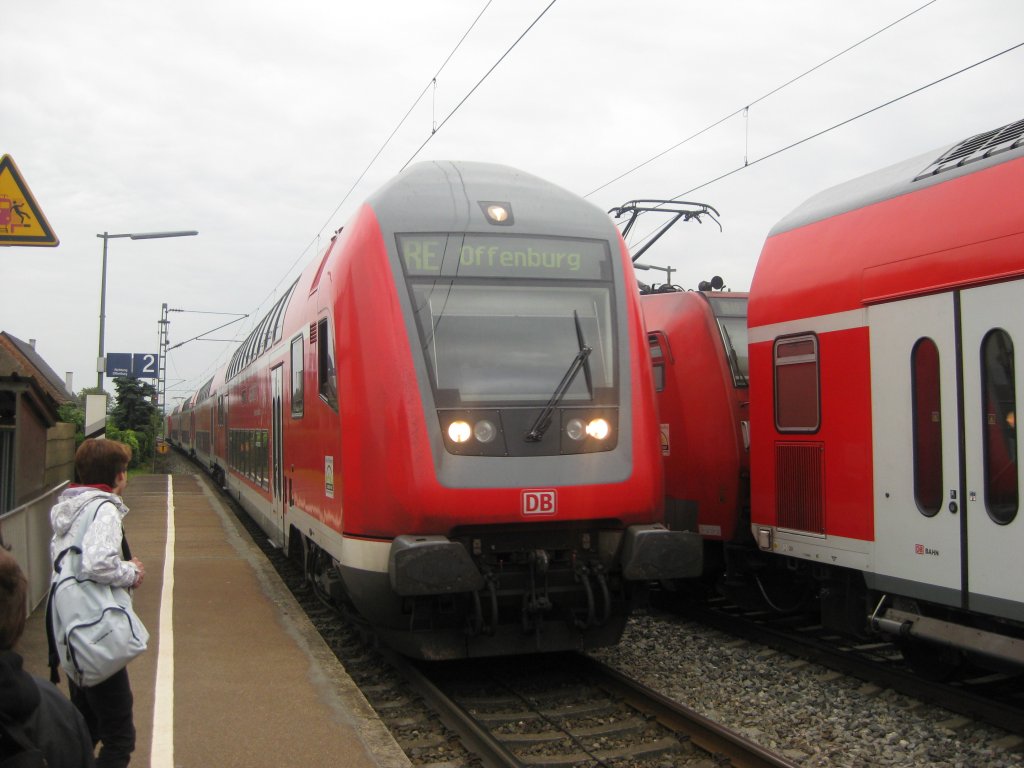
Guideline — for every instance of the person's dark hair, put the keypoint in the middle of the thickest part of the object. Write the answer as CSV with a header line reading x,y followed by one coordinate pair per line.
x,y
98,462
13,587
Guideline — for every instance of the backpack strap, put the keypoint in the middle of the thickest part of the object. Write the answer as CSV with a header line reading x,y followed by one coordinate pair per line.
x,y
53,656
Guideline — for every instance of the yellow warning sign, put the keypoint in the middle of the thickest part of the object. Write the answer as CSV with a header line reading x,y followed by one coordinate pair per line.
x,y
21,220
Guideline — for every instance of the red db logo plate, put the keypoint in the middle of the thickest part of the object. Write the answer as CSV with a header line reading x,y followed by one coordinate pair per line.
x,y
540,502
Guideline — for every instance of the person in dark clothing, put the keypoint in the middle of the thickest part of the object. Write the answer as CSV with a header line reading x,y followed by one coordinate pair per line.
x,y
49,721
101,467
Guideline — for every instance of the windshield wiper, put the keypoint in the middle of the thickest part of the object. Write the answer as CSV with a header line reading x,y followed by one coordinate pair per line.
x,y
540,426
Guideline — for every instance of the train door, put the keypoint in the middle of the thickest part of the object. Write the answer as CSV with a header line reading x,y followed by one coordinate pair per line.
x,y
993,330
916,446
277,449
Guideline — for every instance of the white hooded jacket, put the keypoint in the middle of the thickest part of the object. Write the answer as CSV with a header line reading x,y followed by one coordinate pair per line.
x,y
101,547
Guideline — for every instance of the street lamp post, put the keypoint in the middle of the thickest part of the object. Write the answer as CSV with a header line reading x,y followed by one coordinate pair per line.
x,y
100,368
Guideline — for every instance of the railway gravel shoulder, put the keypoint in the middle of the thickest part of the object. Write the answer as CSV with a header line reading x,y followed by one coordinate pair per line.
x,y
812,715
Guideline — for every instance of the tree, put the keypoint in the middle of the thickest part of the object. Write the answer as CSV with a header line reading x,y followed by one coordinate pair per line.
x,y
135,410
134,407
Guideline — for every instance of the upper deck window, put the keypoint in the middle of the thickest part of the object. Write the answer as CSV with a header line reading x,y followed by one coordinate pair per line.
x,y
797,392
327,375
262,337
297,358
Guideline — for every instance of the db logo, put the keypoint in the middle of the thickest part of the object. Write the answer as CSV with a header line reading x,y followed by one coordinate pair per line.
x,y
539,502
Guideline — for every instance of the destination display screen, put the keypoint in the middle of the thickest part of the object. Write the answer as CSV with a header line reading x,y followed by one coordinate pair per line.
x,y
503,256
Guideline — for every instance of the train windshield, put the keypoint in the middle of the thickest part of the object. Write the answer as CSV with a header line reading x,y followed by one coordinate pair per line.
x,y
731,314
494,334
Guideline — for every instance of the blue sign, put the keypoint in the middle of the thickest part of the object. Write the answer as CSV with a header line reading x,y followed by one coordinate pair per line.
x,y
119,364
136,366
146,365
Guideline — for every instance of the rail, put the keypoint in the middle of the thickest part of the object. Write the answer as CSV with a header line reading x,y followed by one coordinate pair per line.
x,y
25,533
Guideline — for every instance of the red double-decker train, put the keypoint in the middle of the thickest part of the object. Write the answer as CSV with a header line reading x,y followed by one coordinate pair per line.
x,y
875,423
449,418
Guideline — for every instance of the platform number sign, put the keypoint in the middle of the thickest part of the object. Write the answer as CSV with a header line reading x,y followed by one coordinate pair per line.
x,y
138,365
145,366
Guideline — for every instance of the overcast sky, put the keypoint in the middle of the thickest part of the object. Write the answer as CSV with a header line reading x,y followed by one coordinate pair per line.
x,y
252,122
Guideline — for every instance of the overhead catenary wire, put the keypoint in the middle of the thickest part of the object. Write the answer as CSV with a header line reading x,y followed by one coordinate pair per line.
x,y
480,82
432,83
315,241
434,129
746,108
376,155
849,120
750,163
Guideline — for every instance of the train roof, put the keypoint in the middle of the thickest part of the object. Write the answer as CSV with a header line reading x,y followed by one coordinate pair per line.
x,y
969,155
448,195
933,223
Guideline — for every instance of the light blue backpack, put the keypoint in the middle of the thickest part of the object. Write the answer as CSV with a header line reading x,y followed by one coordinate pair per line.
x,y
94,626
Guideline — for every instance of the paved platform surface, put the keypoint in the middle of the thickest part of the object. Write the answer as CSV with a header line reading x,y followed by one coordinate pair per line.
x,y
235,674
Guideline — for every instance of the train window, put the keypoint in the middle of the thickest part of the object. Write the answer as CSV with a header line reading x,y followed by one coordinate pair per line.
x,y
658,345
731,314
924,383
326,374
297,393
513,343
220,409
999,425
796,384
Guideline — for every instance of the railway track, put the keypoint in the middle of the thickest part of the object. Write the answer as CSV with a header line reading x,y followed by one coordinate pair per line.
x,y
570,710
551,710
993,698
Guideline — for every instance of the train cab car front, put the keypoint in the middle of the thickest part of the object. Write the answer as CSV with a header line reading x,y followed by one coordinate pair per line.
x,y
501,476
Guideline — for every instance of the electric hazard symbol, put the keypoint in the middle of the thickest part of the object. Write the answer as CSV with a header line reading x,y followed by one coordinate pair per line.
x,y
21,220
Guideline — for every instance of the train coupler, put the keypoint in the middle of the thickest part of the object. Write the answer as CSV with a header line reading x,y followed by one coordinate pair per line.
x,y
536,600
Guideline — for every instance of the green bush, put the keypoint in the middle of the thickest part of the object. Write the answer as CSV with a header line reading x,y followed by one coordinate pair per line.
x,y
130,438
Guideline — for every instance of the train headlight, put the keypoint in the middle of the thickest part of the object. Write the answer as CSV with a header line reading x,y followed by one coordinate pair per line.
x,y
598,429
484,431
576,429
499,213
589,430
459,431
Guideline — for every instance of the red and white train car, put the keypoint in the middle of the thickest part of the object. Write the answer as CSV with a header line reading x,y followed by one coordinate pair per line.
x,y
884,318
698,345
449,418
